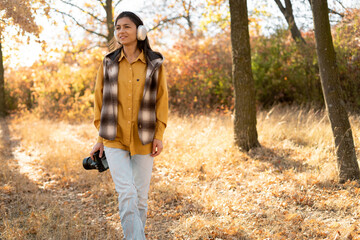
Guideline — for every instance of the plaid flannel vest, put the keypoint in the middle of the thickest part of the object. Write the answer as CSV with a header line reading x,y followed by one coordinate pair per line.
x,y
109,109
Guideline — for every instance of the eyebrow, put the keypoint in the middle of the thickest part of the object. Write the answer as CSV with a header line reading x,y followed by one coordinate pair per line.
x,y
126,24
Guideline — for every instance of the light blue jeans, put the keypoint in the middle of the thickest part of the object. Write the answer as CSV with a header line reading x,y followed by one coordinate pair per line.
x,y
131,175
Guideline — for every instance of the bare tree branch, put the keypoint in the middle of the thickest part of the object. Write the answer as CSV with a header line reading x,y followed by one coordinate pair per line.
x,y
83,10
80,25
281,7
189,6
290,19
68,32
163,22
188,17
335,12
117,3
102,4
338,1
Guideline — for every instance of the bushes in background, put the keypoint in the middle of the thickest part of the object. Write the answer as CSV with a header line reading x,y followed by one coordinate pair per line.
x,y
55,89
199,69
198,74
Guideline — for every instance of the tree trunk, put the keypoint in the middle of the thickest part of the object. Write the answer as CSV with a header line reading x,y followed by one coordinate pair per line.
x,y
109,20
289,16
190,24
245,110
2,84
344,143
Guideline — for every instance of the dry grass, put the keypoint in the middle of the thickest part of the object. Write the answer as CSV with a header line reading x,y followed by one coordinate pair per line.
x,y
202,186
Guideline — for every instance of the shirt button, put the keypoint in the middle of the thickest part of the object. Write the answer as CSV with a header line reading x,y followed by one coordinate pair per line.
x,y
129,94
128,121
129,108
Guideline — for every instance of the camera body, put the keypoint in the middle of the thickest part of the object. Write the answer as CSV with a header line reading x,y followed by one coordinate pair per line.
x,y
98,163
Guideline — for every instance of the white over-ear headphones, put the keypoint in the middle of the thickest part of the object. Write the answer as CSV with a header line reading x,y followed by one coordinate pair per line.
x,y
141,33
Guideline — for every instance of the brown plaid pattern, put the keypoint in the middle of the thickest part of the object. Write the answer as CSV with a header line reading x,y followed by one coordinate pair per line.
x,y
147,114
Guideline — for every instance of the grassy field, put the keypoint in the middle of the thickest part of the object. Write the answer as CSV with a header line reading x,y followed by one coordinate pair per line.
x,y
202,186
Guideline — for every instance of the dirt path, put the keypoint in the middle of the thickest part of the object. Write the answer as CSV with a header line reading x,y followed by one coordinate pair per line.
x,y
72,200
64,204
199,189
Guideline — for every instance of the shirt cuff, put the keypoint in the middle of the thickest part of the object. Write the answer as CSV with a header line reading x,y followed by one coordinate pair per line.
x,y
159,130
100,139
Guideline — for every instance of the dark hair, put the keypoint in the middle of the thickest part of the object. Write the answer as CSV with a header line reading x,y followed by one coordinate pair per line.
x,y
142,45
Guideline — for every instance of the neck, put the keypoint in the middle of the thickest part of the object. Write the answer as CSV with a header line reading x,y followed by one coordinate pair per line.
x,y
131,51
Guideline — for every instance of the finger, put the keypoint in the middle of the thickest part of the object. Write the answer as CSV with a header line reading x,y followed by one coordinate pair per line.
x,y
101,152
154,147
92,153
153,154
157,153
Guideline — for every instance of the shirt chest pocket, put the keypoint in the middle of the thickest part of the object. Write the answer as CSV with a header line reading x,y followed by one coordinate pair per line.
x,y
139,83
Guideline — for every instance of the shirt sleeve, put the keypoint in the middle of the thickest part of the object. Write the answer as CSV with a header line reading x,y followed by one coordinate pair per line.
x,y
98,99
161,105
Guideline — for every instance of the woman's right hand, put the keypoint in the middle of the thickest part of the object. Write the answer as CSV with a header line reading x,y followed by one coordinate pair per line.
x,y
97,146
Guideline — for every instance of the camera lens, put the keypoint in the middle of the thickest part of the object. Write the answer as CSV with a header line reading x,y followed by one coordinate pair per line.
x,y
88,163
98,163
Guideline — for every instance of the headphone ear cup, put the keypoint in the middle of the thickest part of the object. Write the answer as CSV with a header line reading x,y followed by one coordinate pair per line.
x,y
115,36
141,33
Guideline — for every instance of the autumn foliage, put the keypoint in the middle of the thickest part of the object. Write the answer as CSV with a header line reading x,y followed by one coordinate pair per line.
x,y
200,80
198,74
61,88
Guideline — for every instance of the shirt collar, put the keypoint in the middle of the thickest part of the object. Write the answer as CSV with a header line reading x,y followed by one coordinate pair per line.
x,y
141,56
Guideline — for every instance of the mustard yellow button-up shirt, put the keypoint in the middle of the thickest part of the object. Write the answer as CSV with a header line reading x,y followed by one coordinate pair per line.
x,y
131,81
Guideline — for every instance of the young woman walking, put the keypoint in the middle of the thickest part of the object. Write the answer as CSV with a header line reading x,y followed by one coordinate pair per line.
x,y
130,112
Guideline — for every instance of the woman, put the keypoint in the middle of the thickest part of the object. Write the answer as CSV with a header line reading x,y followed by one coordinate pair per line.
x,y
131,110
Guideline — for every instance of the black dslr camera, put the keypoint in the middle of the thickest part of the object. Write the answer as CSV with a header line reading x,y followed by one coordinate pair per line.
x,y
98,163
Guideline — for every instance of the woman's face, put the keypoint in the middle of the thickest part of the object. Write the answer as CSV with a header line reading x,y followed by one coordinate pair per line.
x,y
125,31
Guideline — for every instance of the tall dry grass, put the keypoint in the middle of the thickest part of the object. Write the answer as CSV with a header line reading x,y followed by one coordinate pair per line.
x,y
202,187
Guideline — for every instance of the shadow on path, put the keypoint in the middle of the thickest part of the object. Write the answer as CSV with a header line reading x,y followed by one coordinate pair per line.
x,y
280,162
28,211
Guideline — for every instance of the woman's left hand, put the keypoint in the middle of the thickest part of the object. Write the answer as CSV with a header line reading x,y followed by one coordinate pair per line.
x,y
157,147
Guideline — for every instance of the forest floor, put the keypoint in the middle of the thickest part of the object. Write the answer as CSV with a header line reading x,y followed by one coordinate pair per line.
x,y
202,186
